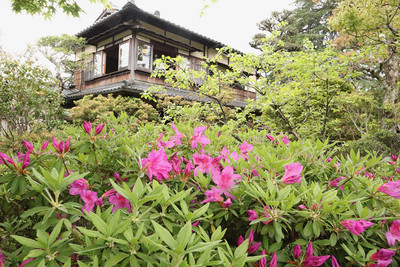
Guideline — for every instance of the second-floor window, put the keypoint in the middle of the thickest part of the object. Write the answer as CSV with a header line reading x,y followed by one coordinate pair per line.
x,y
110,60
144,56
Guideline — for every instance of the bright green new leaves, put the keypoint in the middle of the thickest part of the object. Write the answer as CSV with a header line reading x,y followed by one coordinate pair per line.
x,y
27,97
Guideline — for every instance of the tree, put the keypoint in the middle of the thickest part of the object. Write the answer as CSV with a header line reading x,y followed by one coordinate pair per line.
x,y
27,96
307,21
297,90
210,79
371,30
60,51
48,8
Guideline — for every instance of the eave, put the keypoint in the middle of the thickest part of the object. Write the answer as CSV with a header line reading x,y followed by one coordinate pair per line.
x,y
129,13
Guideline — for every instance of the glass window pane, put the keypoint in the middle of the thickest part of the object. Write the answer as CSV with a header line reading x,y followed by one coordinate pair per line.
x,y
123,55
98,64
144,55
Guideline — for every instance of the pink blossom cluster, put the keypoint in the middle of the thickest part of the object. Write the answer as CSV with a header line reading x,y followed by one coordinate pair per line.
x,y
90,199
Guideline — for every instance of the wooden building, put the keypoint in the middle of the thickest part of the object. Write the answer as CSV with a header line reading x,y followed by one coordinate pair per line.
x,y
125,42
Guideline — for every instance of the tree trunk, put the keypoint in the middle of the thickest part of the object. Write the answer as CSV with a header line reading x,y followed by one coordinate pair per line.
x,y
391,94
391,70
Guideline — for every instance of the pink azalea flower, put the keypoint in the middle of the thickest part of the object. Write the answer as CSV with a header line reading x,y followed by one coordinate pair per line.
x,y
156,164
270,137
234,155
24,262
273,262
335,182
29,147
394,233
119,202
87,126
178,136
60,147
227,203
383,263
99,129
212,195
44,146
302,207
99,202
78,186
225,179
117,177
245,148
252,247
252,215
188,169
26,161
203,162
2,258
225,154
383,255
109,193
263,261
356,227
286,140
311,260
297,252
334,262
198,137
195,224
394,157
292,173
315,261
90,198
4,159
391,189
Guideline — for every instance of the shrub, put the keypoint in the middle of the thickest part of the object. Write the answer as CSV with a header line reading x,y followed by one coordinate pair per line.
x,y
186,194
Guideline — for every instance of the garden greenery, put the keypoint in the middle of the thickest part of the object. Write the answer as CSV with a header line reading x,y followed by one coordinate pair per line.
x,y
188,194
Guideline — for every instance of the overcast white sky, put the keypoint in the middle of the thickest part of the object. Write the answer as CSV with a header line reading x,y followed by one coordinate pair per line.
x,y
232,22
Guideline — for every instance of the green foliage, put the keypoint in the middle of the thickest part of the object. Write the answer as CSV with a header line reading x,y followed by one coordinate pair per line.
x,y
382,142
307,21
298,91
27,97
371,30
91,108
168,222
48,8
60,51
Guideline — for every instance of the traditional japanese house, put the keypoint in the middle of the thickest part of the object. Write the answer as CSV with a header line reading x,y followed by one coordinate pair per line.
x,y
124,43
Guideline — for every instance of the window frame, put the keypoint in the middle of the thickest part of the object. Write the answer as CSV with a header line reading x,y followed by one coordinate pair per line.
x,y
137,67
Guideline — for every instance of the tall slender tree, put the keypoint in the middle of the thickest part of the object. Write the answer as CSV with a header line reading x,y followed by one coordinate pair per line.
x,y
371,28
307,20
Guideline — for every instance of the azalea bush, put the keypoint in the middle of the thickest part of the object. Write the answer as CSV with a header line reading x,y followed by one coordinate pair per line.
x,y
187,194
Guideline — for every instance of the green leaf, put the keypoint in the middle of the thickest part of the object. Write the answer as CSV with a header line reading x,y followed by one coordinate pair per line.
x,y
98,222
316,228
184,234
34,253
199,247
115,259
27,242
333,239
55,233
34,210
241,250
308,230
164,235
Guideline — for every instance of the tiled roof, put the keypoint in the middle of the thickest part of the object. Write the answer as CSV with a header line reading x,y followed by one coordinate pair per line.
x,y
139,87
130,11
